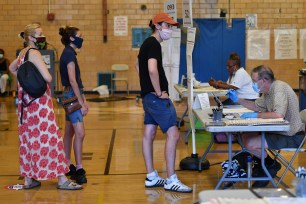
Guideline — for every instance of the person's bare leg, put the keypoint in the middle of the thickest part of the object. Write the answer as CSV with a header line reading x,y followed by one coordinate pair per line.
x,y
27,181
62,179
79,131
170,149
252,141
147,146
68,137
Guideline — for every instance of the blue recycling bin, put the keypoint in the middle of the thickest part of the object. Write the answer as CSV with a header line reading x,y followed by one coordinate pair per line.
x,y
302,88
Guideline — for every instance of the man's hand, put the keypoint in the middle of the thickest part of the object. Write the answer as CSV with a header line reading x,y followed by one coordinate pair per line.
x,y
232,95
249,115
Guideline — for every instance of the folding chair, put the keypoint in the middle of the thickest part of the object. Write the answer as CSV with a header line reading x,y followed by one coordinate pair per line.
x,y
288,163
120,68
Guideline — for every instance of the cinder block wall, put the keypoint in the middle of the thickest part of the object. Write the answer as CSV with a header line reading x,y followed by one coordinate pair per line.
x,y
98,56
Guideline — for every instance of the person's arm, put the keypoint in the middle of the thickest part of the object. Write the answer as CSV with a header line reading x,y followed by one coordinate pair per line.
x,y
75,87
221,84
137,65
13,67
85,102
224,85
36,58
270,115
154,76
248,104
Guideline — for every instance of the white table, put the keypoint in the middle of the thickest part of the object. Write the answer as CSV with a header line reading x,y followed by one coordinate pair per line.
x,y
203,117
245,195
183,92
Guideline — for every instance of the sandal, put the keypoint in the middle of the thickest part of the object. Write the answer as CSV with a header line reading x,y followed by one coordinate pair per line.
x,y
69,185
34,184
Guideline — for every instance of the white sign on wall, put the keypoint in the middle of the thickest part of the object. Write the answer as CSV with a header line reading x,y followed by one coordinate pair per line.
x,y
187,14
170,8
120,25
258,44
251,20
303,44
285,43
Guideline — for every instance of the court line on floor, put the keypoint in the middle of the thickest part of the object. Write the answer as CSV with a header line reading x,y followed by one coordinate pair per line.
x,y
110,153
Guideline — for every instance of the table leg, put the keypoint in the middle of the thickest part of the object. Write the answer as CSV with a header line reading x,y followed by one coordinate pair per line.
x,y
263,159
229,160
182,117
206,151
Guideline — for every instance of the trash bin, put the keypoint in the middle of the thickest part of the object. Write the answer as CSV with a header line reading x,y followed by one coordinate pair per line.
x,y
302,88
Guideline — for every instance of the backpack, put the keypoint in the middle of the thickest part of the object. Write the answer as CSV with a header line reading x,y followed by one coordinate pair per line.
x,y
31,80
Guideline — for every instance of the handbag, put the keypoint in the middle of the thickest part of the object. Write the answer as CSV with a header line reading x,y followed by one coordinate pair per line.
x,y
71,104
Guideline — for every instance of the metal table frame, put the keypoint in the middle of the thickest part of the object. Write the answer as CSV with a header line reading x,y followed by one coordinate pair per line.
x,y
202,116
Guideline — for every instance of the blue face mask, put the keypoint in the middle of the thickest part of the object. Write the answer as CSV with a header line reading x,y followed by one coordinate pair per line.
x,y
78,42
255,87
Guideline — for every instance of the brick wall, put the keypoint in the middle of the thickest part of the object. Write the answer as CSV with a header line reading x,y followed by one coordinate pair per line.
x,y
97,56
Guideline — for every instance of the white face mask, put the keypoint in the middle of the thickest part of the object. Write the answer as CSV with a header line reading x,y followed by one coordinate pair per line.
x,y
1,56
165,34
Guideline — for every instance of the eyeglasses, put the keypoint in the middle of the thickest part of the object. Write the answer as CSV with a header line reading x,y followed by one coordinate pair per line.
x,y
230,66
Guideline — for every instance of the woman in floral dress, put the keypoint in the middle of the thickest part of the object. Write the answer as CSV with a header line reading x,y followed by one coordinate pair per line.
x,y
41,148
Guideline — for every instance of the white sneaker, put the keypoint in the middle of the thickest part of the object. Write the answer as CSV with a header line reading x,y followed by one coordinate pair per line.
x,y
156,182
153,180
176,185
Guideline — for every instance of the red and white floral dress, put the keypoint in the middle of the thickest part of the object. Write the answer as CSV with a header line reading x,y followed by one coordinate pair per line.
x,y
41,148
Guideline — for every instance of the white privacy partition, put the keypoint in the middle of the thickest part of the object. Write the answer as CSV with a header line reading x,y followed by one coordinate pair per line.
x,y
191,163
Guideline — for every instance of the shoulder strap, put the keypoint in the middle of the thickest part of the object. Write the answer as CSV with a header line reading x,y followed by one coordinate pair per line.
x,y
27,53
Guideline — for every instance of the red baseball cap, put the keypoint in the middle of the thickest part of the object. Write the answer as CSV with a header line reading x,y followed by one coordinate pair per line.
x,y
164,17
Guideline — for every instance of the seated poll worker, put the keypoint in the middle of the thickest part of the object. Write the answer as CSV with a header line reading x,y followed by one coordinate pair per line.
x,y
278,100
238,80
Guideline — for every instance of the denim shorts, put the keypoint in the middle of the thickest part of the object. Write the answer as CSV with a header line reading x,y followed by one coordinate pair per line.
x,y
158,111
77,115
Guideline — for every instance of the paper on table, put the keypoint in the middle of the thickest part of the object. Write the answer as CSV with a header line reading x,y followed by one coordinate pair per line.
x,y
201,101
235,110
204,84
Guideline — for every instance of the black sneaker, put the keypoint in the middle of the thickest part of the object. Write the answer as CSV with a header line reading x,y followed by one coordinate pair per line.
x,y
80,176
72,172
257,170
273,169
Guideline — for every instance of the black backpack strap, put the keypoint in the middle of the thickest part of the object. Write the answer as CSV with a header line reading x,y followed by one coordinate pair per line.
x,y
26,57
24,105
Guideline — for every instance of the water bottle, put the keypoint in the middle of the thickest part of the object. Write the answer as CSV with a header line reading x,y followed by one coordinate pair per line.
x,y
249,169
16,101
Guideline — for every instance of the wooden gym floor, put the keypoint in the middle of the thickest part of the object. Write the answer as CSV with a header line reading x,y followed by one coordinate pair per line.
x,y
112,158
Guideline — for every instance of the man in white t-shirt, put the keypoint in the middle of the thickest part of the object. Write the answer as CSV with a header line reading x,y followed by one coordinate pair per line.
x,y
238,80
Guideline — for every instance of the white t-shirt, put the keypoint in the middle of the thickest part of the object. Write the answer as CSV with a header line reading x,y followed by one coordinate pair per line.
x,y
242,80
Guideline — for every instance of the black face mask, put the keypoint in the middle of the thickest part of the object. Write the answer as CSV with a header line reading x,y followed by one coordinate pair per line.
x,y
78,42
40,43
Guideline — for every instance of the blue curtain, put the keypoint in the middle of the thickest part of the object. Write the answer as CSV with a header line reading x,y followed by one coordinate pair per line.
x,y
213,45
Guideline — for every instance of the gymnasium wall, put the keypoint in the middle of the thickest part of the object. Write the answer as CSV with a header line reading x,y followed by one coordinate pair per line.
x,y
97,56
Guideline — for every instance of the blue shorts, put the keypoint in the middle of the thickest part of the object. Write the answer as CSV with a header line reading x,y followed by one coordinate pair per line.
x,y
158,112
77,115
